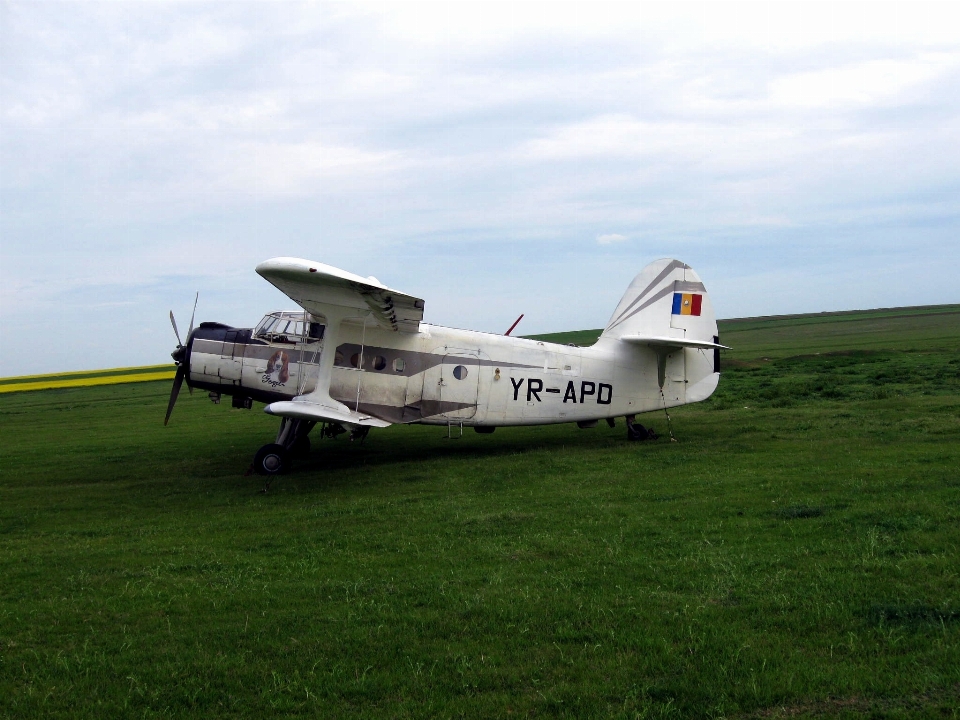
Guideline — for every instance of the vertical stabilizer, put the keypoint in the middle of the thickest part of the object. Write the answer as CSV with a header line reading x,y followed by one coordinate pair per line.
x,y
667,309
667,299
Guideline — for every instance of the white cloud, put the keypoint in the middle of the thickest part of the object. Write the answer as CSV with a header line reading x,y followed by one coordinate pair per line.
x,y
605,136
297,168
610,238
784,25
865,83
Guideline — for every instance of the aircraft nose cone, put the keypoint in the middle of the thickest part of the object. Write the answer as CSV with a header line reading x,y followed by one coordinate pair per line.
x,y
179,355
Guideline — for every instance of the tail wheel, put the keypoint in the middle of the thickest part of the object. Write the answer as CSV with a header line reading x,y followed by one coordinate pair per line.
x,y
271,459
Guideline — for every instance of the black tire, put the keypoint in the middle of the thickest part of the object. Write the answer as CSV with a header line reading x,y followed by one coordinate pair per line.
x,y
301,446
271,459
637,432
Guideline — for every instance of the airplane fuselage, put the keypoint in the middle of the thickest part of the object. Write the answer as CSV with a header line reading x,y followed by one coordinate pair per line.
x,y
444,376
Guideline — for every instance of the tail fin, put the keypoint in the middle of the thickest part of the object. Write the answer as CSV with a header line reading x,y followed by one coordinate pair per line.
x,y
667,309
667,299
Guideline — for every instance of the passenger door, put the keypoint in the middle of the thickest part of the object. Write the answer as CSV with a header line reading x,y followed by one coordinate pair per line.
x,y
451,388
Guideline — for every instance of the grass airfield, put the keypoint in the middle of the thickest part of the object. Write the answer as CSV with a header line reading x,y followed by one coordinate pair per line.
x,y
795,554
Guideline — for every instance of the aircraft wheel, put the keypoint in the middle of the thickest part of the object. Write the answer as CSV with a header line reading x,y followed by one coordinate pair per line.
x,y
271,459
301,446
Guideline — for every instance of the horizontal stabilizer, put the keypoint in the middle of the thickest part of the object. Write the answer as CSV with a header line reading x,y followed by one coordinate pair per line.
x,y
671,342
302,410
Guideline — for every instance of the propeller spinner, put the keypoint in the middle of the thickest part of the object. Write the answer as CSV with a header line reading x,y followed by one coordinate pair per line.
x,y
180,358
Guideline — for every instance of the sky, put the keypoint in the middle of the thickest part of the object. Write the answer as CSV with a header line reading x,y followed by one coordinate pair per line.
x,y
493,159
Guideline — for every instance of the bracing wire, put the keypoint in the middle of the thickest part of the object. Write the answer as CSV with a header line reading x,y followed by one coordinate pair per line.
x,y
363,338
663,400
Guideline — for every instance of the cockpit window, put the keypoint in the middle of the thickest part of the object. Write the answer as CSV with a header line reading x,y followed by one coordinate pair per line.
x,y
289,327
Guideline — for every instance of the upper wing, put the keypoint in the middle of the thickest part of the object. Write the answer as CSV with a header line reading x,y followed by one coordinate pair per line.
x,y
311,285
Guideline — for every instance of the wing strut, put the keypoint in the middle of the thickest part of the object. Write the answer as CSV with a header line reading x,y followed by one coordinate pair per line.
x,y
318,405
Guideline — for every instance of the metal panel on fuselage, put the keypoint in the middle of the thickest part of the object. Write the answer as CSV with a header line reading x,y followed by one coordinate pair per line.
x,y
231,358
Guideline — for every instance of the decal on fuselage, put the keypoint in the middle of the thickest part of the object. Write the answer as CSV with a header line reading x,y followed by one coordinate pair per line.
x,y
278,370
603,392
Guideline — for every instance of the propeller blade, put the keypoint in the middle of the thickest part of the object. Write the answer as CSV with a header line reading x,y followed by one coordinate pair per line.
x,y
192,315
177,382
175,331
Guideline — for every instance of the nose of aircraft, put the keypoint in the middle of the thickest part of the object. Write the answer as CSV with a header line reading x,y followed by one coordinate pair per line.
x,y
180,354
181,358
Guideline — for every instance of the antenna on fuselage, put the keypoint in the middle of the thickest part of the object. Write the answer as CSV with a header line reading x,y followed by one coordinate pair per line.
x,y
514,324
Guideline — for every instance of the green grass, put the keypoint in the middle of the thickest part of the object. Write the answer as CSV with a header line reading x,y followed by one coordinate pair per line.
x,y
892,329
930,327
796,554
583,338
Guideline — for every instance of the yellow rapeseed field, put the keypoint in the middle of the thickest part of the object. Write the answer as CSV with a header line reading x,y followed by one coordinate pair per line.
x,y
63,380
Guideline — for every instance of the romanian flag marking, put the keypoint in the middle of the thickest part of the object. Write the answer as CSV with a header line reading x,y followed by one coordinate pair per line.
x,y
687,303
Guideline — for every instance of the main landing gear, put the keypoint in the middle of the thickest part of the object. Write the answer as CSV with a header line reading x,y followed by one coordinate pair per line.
x,y
637,432
292,441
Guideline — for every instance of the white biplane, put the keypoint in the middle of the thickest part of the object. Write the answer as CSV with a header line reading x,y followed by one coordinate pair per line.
x,y
358,356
